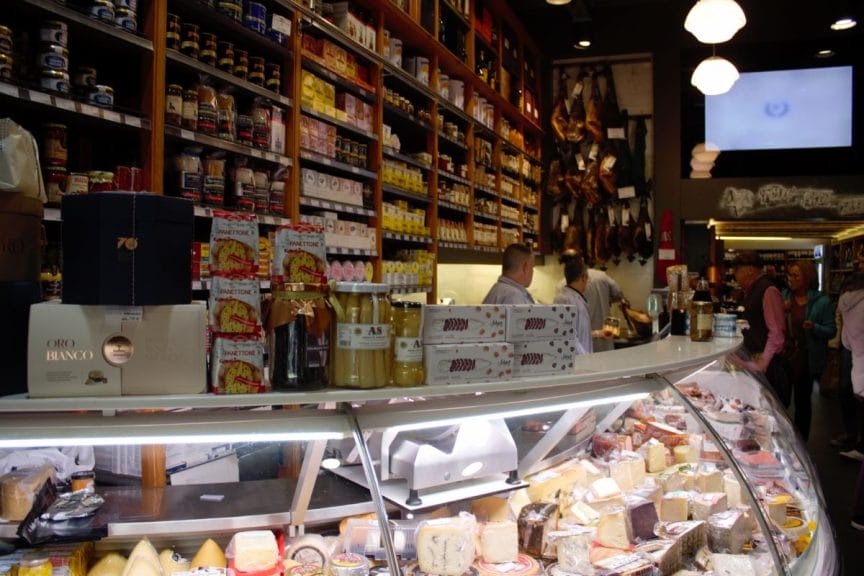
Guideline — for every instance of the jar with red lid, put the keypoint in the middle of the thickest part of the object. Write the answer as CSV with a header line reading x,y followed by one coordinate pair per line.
x,y
101,181
54,150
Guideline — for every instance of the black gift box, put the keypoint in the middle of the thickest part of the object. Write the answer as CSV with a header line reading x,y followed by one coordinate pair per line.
x,y
127,249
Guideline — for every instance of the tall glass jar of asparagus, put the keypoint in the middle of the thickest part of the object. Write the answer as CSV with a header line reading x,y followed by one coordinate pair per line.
x,y
361,342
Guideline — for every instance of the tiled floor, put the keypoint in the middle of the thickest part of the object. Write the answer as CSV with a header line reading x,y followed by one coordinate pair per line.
x,y
838,476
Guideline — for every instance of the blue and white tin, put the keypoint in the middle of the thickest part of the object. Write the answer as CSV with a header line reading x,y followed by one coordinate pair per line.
x,y
725,326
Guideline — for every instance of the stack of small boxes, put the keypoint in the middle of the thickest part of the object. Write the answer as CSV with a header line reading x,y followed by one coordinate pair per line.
x,y
493,343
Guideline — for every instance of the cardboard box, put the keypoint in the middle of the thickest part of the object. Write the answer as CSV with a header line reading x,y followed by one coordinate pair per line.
x,y
127,249
20,237
458,363
528,322
459,324
111,350
543,357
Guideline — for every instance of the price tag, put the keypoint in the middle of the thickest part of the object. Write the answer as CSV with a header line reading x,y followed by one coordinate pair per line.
x,y
132,121
616,134
592,155
89,110
9,90
627,192
580,162
114,314
112,116
40,98
187,135
281,24
666,254
65,104
256,153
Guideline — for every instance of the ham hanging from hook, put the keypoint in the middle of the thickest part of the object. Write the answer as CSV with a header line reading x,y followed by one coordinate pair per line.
x,y
644,236
625,234
613,244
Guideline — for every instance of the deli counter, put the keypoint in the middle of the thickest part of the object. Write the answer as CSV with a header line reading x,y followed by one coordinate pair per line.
x,y
646,460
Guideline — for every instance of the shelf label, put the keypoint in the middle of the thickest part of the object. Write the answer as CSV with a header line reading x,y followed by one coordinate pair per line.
x,y
65,104
40,97
616,134
89,110
114,314
9,90
627,192
112,116
187,135
133,121
255,153
281,24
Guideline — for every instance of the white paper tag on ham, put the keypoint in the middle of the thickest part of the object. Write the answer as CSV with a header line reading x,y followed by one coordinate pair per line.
x,y
616,134
627,192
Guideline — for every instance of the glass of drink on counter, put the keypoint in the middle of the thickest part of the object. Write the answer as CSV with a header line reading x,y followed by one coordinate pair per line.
x,y
611,327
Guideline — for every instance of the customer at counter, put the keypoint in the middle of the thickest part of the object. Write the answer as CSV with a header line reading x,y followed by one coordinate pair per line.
x,y
517,272
599,293
763,310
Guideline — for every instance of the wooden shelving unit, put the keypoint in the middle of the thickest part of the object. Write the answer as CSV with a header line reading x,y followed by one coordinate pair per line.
x,y
445,36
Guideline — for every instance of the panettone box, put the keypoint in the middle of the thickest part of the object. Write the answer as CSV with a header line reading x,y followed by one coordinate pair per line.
x,y
530,322
112,350
127,249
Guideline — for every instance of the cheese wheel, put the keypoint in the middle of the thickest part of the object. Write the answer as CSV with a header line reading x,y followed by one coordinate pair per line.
x,y
309,549
522,565
499,542
146,553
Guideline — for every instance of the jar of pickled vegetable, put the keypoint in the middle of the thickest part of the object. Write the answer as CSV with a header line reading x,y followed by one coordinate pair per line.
x,y
406,320
299,337
34,563
361,340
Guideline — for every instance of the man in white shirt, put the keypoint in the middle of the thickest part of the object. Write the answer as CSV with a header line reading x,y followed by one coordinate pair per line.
x,y
517,272
576,278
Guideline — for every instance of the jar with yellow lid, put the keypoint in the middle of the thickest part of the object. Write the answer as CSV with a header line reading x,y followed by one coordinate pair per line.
x,y
34,563
101,181
361,340
406,320
298,331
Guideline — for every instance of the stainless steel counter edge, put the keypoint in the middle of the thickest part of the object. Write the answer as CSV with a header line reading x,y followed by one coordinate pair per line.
x,y
658,357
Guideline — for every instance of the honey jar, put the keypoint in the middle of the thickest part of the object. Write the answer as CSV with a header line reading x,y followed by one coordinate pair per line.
x,y
191,40
34,563
173,36
208,49
83,480
406,321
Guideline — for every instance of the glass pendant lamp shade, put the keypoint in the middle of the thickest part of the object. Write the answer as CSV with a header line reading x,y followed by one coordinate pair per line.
x,y
557,2
715,21
714,76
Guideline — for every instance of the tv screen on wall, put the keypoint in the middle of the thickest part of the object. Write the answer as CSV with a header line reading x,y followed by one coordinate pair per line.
x,y
783,109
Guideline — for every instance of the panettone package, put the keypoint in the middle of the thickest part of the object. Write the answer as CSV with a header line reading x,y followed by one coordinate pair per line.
x,y
235,305
238,365
234,243
18,489
299,254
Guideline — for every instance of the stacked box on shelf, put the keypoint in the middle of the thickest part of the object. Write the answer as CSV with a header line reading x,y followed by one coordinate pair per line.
x,y
450,231
318,136
329,187
345,17
485,234
342,233
336,58
400,217
356,111
403,176
543,338
466,344
411,268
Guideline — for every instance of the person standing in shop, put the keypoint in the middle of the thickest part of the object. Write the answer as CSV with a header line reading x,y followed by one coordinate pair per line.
x,y
763,310
576,278
851,306
811,326
599,293
517,272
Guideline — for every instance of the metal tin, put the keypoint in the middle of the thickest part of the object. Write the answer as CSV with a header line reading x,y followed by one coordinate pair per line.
x,y
5,40
126,18
55,81
54,57
102,10
6,67
232,8
130,4
84,79
54,32
277,37
256,17
226,56
77,183
101,95
54,150
208,49
174,31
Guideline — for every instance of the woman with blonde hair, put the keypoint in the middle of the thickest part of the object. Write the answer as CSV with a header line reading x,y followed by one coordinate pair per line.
x,y
810,325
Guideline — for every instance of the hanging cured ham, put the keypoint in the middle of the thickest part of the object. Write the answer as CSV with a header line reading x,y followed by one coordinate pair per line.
x,y
644,235
576,122
641,132
606,173
616,122
590,186
592,112
613,244
590,235
625,235
559,118
601,235
554,180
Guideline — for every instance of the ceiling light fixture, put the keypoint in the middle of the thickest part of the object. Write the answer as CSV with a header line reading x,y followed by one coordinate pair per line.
x,y
557,2
714,76
582,35
715,21
825,53
844,23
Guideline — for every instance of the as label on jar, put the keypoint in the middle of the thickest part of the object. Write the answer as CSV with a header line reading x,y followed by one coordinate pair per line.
x,y
363,336
704,321
409,349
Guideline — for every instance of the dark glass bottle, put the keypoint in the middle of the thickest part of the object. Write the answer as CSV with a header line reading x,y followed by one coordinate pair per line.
x,y
300,339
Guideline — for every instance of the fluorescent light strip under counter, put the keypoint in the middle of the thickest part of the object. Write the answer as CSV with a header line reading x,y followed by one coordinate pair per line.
x,y
185,427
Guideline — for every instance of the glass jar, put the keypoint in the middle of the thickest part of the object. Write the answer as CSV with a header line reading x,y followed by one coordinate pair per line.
x,y
208,49
191,40
406,320
101,181
174,105
361,350
256,70
190,109
83,480
241,64
226,56
34,564
173,35
701,313
299,337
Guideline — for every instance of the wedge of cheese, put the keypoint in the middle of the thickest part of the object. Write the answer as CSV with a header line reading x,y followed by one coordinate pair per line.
x,y
709,481
172,562
665,553
112,564
536,522
143,553
728,531
675,507
518,500
142,566
704,505
209,555
573,549
592,473
580,513
490,509
545,486
446,546
619,471
613,531
641,516
499,542
655,456
734,493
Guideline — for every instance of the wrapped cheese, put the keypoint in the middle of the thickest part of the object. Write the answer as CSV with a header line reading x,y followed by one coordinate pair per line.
x,y
704,505
614,531
112,564
728,532
666,554
446,546
642,517
253,551
18,489
535,522
499,542
573,548
692,534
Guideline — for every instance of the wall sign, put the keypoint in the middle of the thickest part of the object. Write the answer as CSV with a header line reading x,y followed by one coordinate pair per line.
x,y
778,200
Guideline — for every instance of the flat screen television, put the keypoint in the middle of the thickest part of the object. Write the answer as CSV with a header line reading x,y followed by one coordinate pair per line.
x,y
783,110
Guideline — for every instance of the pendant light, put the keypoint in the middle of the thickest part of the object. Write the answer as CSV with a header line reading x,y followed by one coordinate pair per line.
x,y
715,21
714,76
557,2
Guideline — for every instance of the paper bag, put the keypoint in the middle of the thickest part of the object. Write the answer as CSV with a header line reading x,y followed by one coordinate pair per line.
x,y
19,161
